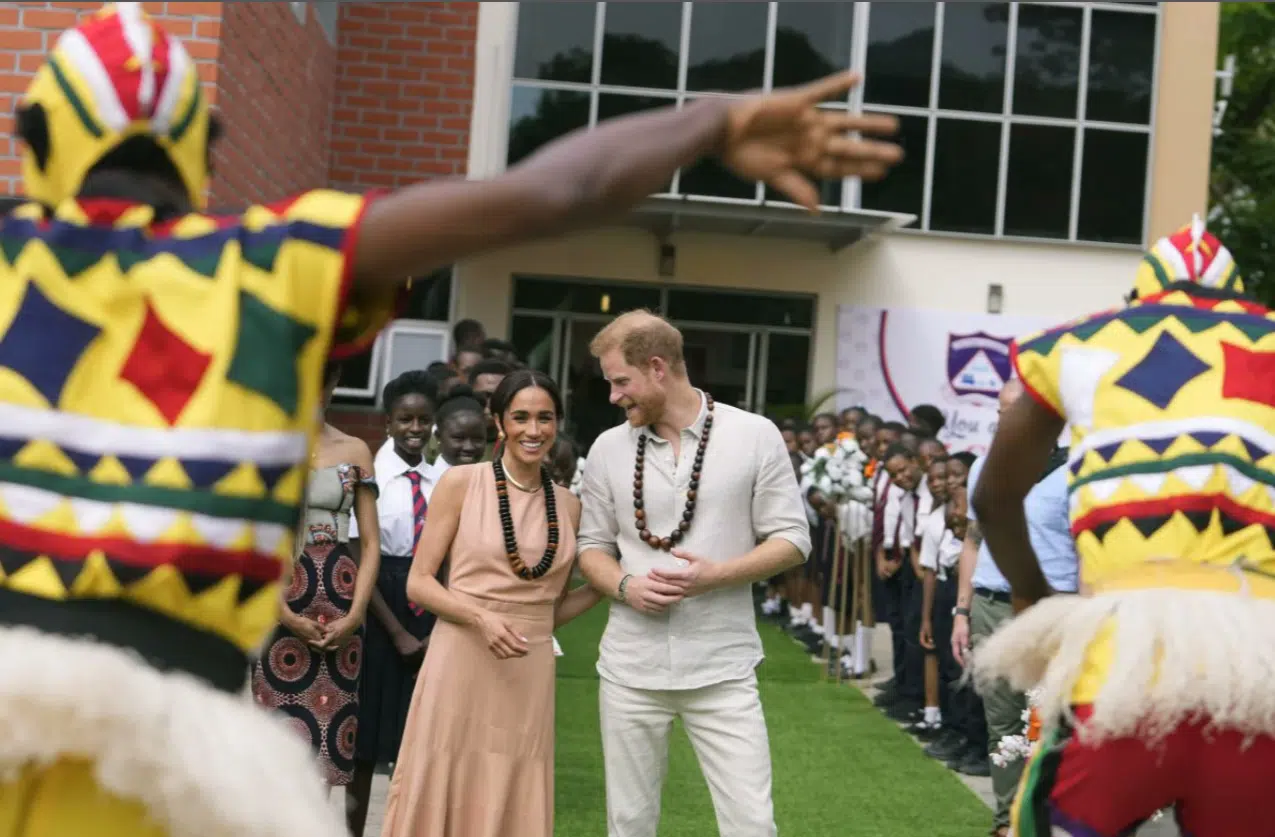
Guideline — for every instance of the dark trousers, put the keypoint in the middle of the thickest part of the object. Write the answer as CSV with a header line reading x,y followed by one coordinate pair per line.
x,y
898,604
950,670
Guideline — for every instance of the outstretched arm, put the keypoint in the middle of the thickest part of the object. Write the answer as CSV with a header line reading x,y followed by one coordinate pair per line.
x,y
1020,450
589,177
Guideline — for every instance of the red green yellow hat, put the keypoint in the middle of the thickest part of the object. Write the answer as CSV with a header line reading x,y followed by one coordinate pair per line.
x,y
1191,254
115,76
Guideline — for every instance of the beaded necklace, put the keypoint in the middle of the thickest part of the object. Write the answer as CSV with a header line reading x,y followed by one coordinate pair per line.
x,y
639,505
507,522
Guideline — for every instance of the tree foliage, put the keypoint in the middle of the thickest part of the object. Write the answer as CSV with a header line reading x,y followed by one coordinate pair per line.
x,y
1242,182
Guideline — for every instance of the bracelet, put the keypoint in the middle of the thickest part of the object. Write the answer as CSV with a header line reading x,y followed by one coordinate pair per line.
x,y
624,583
961,611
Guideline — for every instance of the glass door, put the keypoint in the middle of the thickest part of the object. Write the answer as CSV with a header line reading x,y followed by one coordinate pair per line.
x,y
721,363
586,394
783,373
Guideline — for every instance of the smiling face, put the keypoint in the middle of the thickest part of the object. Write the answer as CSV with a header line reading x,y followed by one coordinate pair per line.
x,y
904,472
957,474
409,423
936,480
639,392
806,442
957,509
825,429
530,424
929,450
462,438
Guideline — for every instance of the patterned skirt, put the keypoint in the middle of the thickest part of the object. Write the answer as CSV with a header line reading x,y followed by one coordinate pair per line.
x,y
317,691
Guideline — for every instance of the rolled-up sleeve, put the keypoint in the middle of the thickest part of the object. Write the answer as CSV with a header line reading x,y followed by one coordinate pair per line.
x,y
778,507
598,526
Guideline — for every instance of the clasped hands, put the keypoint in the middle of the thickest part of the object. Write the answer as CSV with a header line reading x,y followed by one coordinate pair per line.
x,y
323,636
663,587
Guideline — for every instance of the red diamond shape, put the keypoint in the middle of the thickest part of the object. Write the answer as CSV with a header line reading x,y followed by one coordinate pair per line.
x,y
164,367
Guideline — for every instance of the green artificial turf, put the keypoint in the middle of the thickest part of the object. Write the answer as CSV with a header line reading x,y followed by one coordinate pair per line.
x,y
840,767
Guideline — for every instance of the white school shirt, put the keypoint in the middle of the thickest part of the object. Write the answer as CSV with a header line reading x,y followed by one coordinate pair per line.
x,y
949,553
929,530
394,505
900,518
924,505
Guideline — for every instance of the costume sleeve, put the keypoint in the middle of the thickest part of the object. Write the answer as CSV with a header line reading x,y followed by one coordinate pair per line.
x,y
1037,360
778,509
321,233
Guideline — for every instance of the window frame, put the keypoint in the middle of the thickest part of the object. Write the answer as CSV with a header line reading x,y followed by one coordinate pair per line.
x,y
850,192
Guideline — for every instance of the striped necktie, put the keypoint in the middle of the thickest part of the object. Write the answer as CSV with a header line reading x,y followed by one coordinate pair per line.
x,y
418,523
418,508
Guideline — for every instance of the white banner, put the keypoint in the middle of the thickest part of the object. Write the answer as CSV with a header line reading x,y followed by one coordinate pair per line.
x,y
890,360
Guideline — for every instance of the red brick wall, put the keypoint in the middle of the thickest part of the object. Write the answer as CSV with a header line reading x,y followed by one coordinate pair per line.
x,y
275,80
367,424
29,30
404,92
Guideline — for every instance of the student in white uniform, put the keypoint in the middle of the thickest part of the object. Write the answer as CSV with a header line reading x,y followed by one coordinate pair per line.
x,y
931,526
397,633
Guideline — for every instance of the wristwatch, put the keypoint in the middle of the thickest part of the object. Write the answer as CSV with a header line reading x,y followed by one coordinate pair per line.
x,y
620,594
961,611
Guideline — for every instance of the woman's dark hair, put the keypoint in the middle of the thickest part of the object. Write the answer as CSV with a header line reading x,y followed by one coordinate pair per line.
x,y
460,399
966,458
518,380
832,417
414,382
488,366
930,416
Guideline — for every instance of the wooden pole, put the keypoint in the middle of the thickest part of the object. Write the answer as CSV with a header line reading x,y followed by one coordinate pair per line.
x,y
830,597
843,556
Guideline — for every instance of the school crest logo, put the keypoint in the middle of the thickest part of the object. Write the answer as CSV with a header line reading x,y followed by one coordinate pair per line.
x,y
978,363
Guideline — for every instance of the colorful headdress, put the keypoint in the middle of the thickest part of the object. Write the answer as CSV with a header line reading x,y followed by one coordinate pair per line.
x,y
116,76
1191,254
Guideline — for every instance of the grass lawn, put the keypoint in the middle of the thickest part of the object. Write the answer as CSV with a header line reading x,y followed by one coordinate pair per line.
x,y
840,767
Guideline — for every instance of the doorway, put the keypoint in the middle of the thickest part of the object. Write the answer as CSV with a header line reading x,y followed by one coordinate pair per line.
x,y
749,350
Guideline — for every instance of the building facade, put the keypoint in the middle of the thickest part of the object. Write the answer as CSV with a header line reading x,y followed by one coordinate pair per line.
x,y
1046,144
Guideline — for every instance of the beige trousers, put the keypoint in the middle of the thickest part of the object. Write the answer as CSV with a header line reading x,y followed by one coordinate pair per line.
x,y
728,732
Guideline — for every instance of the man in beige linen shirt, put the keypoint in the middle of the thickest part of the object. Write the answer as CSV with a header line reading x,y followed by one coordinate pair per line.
x,y
681,640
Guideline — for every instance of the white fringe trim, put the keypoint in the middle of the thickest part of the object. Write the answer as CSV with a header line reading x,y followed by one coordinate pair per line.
x,y
203,763
1179,655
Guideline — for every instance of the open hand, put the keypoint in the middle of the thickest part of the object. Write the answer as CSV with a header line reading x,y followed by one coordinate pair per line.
x,y
691,576
501,638
960,638
783,139
650,595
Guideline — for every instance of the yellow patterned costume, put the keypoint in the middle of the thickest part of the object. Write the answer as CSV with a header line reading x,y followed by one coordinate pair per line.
x,y
159,382
1171,405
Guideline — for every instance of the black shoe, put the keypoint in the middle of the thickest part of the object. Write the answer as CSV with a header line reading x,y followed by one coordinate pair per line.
x,y
947,745
887,698
974,764
814,646
887,685
925,730
905,712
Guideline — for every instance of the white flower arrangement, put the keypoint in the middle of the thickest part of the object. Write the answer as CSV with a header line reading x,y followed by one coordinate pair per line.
x,y
578,479
836,471
1015,748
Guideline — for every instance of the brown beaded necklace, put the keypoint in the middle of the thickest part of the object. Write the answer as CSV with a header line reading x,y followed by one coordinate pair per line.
x,y
507,522
639,506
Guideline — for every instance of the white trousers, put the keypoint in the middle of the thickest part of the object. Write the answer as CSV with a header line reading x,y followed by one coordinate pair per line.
x,y
727,731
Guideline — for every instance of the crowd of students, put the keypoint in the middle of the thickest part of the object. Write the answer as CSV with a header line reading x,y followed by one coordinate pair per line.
x,y
919,516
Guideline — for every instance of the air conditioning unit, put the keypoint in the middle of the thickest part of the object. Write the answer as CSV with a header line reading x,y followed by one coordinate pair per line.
x,y
412,344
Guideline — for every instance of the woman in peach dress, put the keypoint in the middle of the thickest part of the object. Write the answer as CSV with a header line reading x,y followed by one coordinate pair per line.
x,y
477,752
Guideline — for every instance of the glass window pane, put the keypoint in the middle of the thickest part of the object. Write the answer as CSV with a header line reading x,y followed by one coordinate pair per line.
x,y
900,54
1038,186
537,116
555,41
901,190
787,371
533,339
741,309
728,46
582,297
1113,187
430,297
812,40
718,362
1047,61
972,75
966,161
1121,59
640,44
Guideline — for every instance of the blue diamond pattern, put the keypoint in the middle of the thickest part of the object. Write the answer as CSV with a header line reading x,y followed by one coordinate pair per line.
x,y
1108,451
1160,375
271,474
9,447
204,473
1160,445
1254,451
43,343
137,466
1208,438
84,461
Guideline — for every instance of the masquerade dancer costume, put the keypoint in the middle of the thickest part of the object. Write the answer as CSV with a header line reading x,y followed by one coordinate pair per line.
x,y
159,380
1155,684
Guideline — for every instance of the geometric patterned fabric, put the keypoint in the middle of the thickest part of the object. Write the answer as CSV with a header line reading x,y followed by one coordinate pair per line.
x,y
1171,406
159,386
